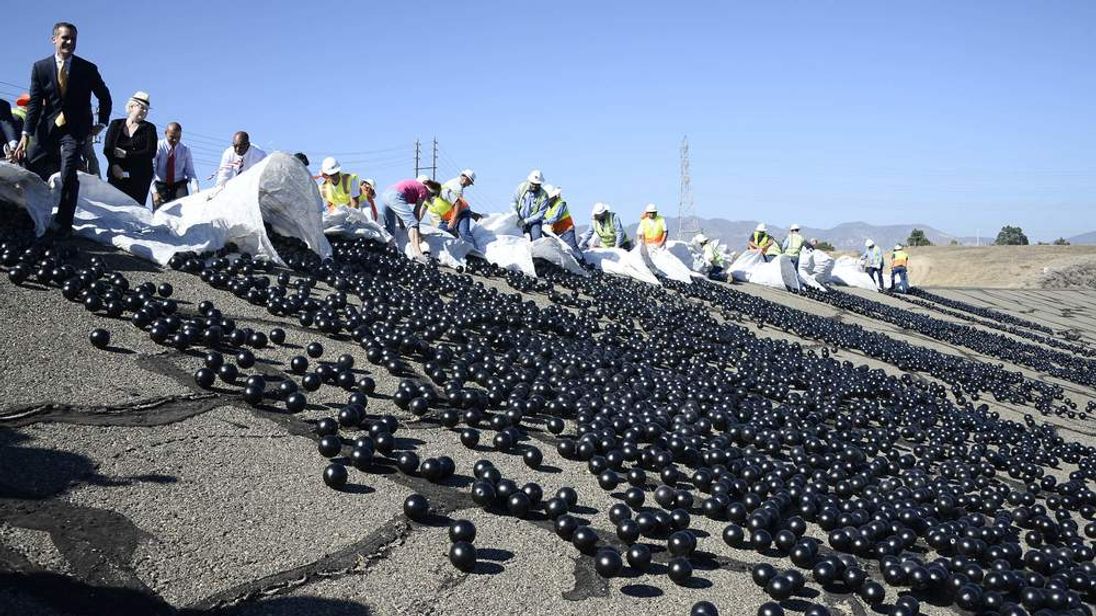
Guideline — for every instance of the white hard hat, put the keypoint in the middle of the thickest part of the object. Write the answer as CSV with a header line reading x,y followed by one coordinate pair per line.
x,y
650,209
869,243
535,177
471,175
422,179
600,208
793,228
700,238
330,166
898,247
761,227
553,191
372,183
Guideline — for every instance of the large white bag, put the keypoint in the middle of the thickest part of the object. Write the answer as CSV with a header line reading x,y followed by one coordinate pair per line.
x,y
847,272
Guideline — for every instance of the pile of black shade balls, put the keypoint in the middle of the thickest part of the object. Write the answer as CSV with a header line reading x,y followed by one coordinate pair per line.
x,y
937,497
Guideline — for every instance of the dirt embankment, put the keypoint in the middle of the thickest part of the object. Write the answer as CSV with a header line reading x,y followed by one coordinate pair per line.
x,y
1010,267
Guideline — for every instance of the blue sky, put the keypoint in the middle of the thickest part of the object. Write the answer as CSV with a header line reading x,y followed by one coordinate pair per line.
x,y
962,115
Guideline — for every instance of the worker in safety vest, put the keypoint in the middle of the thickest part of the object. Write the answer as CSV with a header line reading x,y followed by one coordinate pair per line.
x,y
711,256
763,243
605,230
793,244
652,228
899,264
368,190
558,218
873,262
339,189
530,203
451,217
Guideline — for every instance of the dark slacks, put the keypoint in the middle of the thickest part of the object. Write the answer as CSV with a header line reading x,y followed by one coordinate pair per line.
x,y
61,151
170,192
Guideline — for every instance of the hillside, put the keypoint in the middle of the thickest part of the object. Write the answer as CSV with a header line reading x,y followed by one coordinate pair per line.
x,y
1010,267
845,236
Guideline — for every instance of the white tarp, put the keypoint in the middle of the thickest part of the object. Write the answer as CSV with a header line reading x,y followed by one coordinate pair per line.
x,y
779,273
847,272
685,253
278,190
621,263
28,191
814,269
350,222
664,262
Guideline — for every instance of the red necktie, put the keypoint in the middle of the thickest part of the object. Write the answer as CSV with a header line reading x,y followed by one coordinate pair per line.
x,y
171,166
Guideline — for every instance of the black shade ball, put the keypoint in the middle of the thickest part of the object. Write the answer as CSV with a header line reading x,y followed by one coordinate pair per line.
x,y
416,507
463,555
335,476
99,338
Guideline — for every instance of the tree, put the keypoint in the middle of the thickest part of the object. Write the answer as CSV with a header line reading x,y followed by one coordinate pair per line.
x,y
953,243
1061,242
1011,236
917,238
825,246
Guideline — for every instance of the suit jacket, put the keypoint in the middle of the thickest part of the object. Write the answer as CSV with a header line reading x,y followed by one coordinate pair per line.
x,y
46,100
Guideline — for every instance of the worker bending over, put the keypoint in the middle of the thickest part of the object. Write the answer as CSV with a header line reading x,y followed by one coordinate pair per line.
x,y
401,202
763,243
558,217
530,203
605,230
711,256
339,189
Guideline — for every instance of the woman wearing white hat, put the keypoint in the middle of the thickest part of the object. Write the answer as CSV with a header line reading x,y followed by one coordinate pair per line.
x,y
130,146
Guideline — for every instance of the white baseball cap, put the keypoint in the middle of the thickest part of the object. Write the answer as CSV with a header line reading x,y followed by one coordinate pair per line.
x,y
471,175
761,227
793,228
650,209
600,208
535,177
869,243
553,191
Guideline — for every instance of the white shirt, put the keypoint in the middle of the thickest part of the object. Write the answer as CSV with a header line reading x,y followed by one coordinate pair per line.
x,y
232,164
452,190
184,162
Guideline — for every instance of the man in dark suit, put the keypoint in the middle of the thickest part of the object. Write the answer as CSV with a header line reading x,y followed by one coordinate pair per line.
x,y
59,117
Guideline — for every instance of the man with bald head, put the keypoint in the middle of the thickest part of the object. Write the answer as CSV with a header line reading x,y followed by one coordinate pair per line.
x,y
238,158
174,167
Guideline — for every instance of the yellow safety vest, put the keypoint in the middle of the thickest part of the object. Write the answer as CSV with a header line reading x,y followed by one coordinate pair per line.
x,y
606,230
899,258
712,256
565,223
440,209
652,230
339,193
765,243
795,244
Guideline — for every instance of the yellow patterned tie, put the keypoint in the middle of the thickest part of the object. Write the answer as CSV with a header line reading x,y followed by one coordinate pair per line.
x,y
62,82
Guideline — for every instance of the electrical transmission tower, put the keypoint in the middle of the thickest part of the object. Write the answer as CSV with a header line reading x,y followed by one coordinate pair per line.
x,y
687,223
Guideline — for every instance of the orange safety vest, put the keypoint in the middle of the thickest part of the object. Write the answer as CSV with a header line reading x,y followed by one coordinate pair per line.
x,y
442,210
652,230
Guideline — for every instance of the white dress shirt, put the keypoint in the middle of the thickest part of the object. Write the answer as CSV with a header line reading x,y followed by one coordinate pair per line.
x,y
184,162
232,164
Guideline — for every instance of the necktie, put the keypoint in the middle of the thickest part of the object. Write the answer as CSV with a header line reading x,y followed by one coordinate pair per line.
x,y
170,166
62,82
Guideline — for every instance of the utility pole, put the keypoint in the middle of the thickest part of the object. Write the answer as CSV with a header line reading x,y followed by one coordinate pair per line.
x,y
434,162
687,224
418,147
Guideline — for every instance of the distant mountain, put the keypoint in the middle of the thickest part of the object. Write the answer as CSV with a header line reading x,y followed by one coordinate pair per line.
x,y
848,236
1084,238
